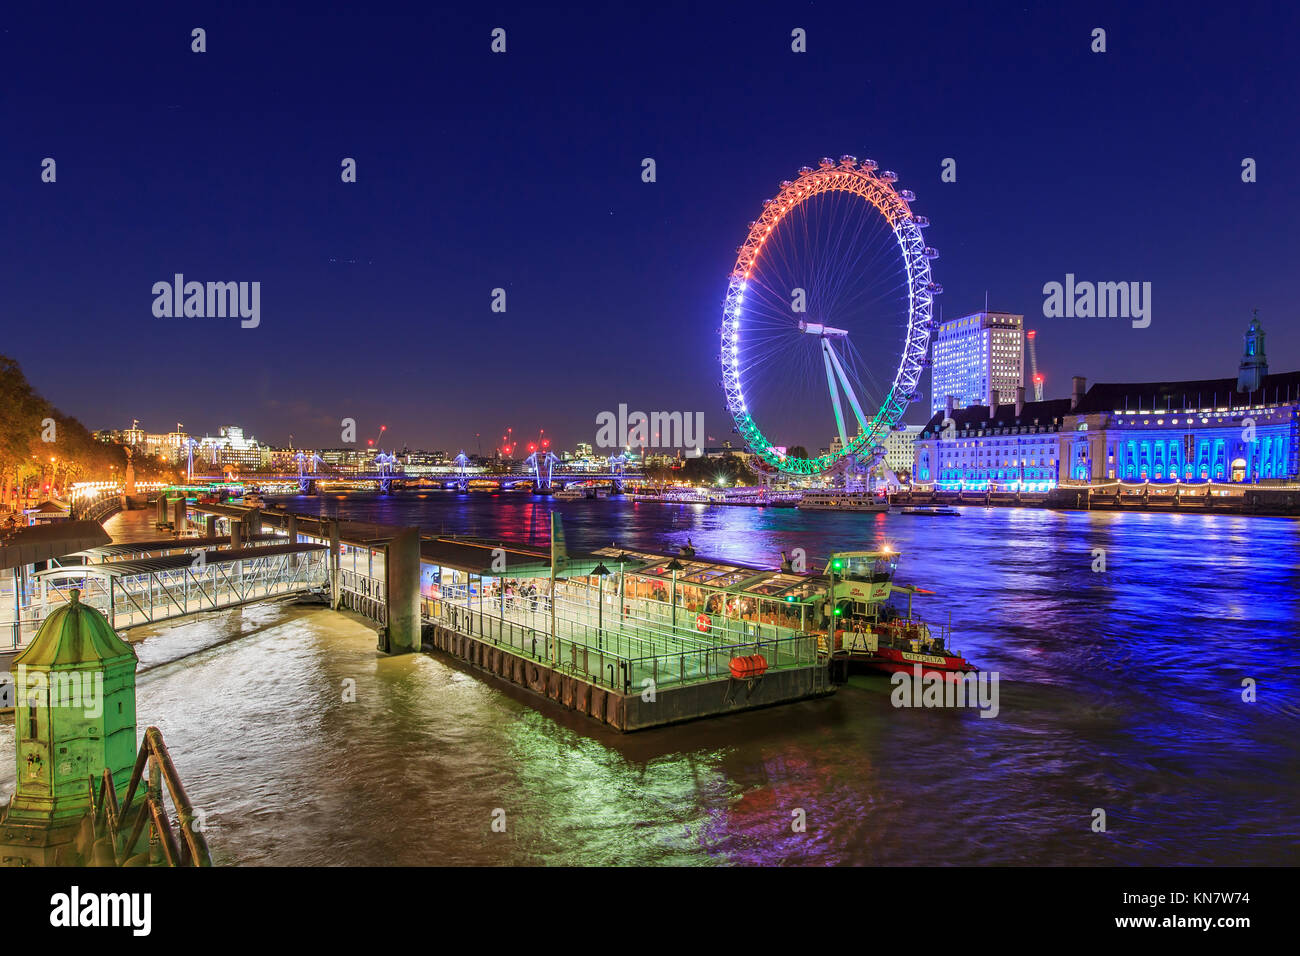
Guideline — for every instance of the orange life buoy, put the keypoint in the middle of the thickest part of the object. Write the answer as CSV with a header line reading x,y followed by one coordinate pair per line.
x,y
702,623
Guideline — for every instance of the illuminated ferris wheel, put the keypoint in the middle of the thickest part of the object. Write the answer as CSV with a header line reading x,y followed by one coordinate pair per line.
x,y
831,285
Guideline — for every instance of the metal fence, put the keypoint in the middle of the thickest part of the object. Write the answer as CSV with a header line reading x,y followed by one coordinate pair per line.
x,y
364,595
595,655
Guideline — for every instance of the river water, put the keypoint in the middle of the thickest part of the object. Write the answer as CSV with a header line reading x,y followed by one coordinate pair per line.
x,y
1120,690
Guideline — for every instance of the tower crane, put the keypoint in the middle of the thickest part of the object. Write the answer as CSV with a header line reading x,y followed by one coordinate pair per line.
x,y
1033,367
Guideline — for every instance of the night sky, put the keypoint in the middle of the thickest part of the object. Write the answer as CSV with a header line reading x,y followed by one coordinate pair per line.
x,y
523,171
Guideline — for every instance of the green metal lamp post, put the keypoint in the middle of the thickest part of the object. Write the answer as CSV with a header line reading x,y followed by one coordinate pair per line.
x,y
601,573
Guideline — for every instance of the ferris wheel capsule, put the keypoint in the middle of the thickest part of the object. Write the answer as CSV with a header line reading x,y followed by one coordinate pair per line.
x,y
785,183
908,196
847,160
934,288
889,176
930,252
919,221
870,164
805,170
825,162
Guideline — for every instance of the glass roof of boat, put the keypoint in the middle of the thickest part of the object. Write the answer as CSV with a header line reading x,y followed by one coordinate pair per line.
x,y
761,582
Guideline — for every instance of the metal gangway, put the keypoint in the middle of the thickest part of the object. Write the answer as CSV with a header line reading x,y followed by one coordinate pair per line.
x,y
147,590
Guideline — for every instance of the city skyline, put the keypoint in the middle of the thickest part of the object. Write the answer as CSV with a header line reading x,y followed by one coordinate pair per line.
x,y
607,278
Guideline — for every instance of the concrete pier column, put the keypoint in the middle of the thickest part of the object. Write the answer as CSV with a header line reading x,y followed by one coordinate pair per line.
x,y
291,528
180,518
335,533
211,522
253,522
160,508
402,591
236,534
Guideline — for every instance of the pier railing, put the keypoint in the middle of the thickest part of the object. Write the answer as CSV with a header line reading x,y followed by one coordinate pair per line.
x,y
593,652
97,509
363,594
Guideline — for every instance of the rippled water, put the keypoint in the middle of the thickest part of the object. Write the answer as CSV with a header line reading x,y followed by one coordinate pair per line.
x,y
1119,689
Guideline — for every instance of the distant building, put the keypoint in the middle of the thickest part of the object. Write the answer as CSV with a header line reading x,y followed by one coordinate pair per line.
x,y
285,460
417,463
169,446
979,359
132,436
348,461
1242,430
1012,447
231,447
900,448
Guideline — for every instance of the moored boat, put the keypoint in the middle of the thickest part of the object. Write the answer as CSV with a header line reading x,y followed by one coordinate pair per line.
x,y
843,501
874,630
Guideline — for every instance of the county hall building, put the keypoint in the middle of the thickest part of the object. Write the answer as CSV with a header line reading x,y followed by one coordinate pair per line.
x,y
1240,430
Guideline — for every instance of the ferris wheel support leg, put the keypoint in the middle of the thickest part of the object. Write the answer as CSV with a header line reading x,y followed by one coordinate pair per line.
x,y
848,389
835,392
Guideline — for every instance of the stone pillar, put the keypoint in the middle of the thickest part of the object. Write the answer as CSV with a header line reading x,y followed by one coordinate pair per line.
x,y
180,518
236,534
291,528
160,508
402,591
1097,452
129,485
211,522
253,522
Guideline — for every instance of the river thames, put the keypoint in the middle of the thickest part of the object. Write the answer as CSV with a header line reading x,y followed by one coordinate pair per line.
x,y
1121,689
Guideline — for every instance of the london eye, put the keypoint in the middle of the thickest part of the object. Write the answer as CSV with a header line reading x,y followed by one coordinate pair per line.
x,y
827,319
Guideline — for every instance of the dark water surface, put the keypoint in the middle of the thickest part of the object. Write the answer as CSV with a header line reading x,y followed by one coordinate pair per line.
x,y
1119,689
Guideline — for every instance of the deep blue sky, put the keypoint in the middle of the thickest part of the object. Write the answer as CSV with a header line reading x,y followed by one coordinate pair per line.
x,y
523,171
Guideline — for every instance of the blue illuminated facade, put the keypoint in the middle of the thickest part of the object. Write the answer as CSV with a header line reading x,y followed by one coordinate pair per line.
x,y
1004,448
1233,431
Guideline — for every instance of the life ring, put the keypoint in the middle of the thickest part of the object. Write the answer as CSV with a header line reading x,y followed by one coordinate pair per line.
x,y
702,623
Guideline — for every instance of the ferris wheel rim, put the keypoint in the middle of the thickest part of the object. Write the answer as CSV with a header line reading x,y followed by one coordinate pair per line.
x,y
877,190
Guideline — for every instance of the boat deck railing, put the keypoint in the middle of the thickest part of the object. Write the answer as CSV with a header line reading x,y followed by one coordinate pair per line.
x,y
605,656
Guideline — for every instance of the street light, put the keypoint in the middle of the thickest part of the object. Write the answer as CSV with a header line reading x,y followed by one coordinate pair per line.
x,y
601,573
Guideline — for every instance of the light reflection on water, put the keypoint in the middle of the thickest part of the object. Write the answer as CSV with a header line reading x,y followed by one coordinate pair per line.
x,y
1119,690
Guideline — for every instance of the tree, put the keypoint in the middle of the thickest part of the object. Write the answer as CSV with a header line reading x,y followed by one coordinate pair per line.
x,y
37,440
